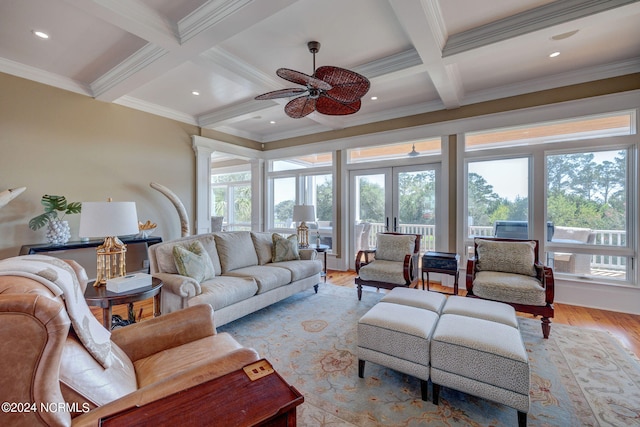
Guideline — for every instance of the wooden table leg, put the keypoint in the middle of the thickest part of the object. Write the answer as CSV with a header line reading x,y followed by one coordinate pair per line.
x,y
156,305
106,317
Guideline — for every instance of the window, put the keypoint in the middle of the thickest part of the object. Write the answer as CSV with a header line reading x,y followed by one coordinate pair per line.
x,y
498,197
568,183
420,148
231,199
587,200
302,180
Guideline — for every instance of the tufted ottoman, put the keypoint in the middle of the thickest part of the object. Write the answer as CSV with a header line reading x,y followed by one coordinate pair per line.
x,y
481,357
396,333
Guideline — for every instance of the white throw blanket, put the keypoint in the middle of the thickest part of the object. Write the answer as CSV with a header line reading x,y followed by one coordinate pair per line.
x,y
61,279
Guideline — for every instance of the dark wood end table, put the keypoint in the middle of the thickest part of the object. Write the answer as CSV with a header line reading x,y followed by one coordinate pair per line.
x,y
443,263
322,249
101,297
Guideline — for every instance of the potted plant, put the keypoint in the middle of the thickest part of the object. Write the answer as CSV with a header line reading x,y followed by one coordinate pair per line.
x,y
58,232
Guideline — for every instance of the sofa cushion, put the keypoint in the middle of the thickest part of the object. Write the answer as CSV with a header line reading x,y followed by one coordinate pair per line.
x,y
509,287
300,269
506,257
193,261
393,247
263,243
223,291
236,250
267,278
285,248
384,271
164,252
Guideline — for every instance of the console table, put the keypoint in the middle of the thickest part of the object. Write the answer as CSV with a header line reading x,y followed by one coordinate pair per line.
x,y
234,399
84,252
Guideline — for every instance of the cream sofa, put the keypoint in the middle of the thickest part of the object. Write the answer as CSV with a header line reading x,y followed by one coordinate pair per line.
x,y
245,281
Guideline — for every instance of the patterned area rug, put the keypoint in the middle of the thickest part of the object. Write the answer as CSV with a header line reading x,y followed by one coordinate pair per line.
x,y
579,377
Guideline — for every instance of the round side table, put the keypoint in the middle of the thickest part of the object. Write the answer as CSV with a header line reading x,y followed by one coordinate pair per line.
x,y
101,297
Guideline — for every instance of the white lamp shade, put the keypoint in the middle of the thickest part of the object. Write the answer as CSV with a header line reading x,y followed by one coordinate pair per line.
x,y
304,213
107,219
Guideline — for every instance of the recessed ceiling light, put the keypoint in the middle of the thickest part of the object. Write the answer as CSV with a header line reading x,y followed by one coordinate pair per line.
x,y
40,34
373,98
554,54
195,92
273,122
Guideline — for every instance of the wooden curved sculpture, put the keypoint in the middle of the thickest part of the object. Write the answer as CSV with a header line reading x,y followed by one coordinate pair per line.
x,y
8,195
182,212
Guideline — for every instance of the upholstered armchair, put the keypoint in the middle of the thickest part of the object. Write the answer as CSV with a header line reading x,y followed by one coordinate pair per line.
x,y
45,362
509,271
393,263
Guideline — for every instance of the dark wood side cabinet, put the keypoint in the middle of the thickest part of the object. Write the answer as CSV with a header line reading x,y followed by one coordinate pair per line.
x,y
232,400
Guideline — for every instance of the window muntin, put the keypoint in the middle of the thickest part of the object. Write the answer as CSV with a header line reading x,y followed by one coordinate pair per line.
x,y
599,126
427,147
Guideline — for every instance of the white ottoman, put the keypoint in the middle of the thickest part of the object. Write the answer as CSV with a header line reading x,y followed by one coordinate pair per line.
x,y
482,358
397,336
481,309
432,301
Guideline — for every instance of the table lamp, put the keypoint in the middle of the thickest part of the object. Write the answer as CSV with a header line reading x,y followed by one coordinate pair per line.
x,y
302,214
109,220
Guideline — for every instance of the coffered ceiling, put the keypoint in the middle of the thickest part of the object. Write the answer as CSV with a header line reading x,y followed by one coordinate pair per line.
x,y
420,55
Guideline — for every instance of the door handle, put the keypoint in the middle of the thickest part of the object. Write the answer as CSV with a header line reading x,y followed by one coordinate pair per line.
x,y
395,224
386,227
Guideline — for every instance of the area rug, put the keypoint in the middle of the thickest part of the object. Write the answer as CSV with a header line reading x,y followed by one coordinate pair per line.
x,y
579,377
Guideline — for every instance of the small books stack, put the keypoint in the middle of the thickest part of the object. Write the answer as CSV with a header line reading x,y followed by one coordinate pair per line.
x,y
129,282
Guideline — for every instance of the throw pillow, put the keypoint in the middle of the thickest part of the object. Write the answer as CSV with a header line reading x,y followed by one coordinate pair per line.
x,y
193,261
394,247
507,257
285,248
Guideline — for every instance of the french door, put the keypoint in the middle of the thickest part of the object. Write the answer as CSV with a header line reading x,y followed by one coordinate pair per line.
x,y
401,199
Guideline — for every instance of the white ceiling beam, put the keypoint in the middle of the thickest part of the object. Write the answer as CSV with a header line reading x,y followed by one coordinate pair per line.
x,y
424,25
170,45
529,21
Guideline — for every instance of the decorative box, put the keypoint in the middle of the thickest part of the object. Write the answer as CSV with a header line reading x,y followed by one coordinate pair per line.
x,y
441,261
129,282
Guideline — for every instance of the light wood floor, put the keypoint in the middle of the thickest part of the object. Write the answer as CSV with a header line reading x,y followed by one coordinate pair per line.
x,y
625,327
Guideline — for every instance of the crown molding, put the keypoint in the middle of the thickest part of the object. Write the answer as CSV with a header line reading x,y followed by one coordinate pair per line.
x,y
158,110
389,64
51,79
130,66
548,15
234,112
206,16
554,81
239,70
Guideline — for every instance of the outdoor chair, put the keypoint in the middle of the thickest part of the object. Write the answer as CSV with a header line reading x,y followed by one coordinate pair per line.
x,y
509,271
393,263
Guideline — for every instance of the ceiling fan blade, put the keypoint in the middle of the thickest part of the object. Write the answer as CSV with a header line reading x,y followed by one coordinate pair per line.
x,y
302,79
300,107
347,86
282,93
332,107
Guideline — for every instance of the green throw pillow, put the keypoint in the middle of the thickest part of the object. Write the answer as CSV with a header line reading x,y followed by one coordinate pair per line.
x,y
285,249
193,261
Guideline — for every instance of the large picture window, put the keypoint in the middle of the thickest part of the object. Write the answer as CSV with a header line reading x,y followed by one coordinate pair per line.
x,y
231,199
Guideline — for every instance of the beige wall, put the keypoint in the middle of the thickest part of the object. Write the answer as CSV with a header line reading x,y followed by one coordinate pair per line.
x,y
59,142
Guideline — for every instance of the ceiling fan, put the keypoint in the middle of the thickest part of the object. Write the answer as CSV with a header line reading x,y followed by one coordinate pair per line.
x,y
330,90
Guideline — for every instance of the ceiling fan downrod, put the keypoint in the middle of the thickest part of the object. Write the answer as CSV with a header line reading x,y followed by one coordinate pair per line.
x,y
314,47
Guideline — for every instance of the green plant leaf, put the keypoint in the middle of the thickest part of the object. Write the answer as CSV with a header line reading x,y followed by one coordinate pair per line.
x,y
40,221
74,208
54,203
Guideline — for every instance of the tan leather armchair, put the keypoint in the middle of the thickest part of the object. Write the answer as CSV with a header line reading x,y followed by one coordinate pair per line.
x,y
44,363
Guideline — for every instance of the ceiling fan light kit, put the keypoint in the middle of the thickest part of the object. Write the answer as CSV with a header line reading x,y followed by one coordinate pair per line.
x,y
330,90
